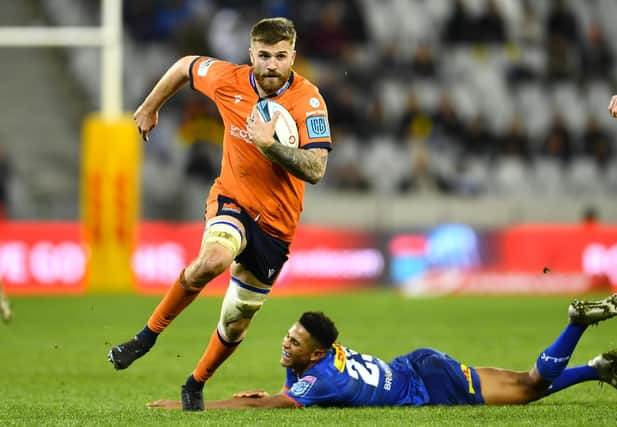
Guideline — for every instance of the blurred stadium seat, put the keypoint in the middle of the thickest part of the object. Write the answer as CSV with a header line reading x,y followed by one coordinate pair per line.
x,y
488,77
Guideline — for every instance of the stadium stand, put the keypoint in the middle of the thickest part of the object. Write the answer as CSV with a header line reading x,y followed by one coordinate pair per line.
x,y
389,70
38,127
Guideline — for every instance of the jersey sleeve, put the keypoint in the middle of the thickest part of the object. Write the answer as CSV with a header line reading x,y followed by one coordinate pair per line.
x,y
205,74
312,120
290,379
311,390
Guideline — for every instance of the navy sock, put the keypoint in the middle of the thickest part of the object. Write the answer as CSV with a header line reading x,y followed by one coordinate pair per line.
x,y
148,336
193,384
555,358
572,376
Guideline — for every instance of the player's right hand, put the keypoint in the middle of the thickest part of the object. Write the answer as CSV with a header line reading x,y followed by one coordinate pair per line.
x,y
146,121
612,106
253,393
165,404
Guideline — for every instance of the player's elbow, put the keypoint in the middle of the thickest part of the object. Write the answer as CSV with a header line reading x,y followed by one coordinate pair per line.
x,y
316,174
183,64
314,179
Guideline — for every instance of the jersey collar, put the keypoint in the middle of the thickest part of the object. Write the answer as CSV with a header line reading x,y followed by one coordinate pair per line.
x,y
279,92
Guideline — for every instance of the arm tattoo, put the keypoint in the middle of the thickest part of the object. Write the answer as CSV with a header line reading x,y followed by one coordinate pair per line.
x,y
307,165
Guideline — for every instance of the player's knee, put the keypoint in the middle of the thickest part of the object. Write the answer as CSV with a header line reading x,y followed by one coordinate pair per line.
x,y
236,330
239,307
236,320
213,265
533,387
208,267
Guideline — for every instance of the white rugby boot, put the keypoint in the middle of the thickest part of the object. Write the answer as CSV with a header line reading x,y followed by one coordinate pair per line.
x,y
606,365
592,312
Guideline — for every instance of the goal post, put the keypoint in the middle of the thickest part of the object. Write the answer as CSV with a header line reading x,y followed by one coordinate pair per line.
x,y
111,151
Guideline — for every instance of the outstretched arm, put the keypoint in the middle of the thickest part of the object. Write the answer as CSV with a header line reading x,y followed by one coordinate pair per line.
x,y
147,115
256,401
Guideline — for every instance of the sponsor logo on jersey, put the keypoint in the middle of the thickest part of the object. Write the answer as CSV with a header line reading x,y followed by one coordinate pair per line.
x,y
547,358
303,385
230,207
467,373
314,102
237,99
271,272
387,384
316,113
241,133
339,357
202,71
317,127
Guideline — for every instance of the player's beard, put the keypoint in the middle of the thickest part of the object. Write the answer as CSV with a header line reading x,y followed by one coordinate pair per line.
x,y
271,82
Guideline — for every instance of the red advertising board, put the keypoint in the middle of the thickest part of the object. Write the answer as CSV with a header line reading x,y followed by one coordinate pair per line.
x,y
52,258
534,258
321,259
589,249
46,258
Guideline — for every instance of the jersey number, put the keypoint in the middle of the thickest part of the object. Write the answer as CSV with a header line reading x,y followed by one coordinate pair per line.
x,y
363,368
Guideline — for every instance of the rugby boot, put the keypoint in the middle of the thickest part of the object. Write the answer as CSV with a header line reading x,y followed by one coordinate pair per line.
x,y
592,312
192,399
122,355
606,365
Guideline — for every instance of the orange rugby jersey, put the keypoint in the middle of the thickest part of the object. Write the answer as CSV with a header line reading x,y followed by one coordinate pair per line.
x,y
270,194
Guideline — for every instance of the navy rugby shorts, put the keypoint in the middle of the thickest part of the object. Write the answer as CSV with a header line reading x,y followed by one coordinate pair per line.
x,y
447,381
264,255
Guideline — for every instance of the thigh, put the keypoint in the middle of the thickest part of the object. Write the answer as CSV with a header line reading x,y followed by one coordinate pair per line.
x,y
206,246
221,208
245,278
447,381
264,255
261,254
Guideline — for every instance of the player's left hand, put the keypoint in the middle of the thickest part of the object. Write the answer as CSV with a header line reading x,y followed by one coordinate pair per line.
x,y
612,106
261,133
252,393
165,404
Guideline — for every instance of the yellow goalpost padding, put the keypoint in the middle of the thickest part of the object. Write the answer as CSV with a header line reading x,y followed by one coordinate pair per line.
x,y
110,200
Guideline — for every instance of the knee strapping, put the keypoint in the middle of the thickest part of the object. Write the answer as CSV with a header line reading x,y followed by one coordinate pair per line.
x,y
241,301
225,233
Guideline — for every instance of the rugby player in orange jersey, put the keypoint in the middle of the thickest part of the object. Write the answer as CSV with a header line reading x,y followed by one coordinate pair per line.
x,y
254,206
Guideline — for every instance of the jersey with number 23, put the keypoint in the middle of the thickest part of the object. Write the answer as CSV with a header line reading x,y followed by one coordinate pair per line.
x,y
347,378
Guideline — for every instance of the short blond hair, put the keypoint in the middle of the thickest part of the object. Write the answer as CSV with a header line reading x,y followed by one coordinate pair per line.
x,y
272,30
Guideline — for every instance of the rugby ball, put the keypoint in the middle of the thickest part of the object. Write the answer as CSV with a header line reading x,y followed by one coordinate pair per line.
x,y
285,130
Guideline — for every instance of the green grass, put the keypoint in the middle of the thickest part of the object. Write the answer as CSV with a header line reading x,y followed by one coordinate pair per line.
x,y
54,369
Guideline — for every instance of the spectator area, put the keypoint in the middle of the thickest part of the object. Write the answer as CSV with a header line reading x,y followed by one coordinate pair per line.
x,y
471,98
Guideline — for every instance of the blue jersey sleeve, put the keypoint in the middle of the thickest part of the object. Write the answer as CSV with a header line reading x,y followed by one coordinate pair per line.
x,y
311,390
290,378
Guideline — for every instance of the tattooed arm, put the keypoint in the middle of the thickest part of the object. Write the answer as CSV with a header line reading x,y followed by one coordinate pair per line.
x,y
308,165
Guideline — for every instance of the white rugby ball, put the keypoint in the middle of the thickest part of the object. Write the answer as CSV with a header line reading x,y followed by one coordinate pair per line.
x,y
285,130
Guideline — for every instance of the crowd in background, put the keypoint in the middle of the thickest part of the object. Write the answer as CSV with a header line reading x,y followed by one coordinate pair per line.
x,y
461,97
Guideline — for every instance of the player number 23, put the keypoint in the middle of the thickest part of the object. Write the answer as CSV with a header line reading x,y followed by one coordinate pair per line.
x,y
361,365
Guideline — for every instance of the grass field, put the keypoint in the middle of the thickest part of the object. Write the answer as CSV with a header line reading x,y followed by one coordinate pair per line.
x,y
55,372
